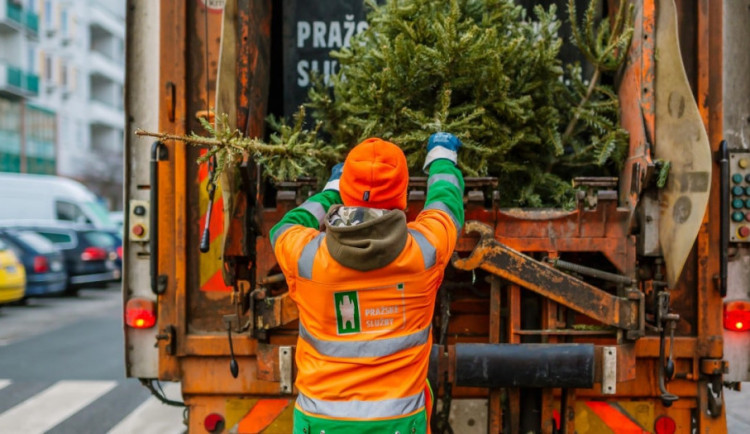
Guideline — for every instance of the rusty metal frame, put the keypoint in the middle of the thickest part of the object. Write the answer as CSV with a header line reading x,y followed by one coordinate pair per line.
x,y
625,313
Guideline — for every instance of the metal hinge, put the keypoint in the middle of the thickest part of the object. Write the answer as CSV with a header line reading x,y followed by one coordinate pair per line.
x,y
609,370
161,283
285,369
714,366
168,335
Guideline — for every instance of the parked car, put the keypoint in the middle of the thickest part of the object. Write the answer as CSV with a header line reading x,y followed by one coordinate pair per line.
x,y
89,253
30,196
12,276
116,217
117,239
44,263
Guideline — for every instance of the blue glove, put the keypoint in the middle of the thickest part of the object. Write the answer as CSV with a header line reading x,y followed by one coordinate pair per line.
x,y
442,146
333,181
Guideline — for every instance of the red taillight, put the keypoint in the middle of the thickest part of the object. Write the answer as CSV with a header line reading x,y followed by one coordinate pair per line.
x,y
140,313
94,254
119,252
665,425
737,316
41,265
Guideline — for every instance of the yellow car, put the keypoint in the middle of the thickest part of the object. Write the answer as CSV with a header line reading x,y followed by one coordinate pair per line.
x,y
12,276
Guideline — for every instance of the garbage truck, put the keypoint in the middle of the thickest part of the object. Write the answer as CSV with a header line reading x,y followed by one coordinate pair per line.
x,y
629,312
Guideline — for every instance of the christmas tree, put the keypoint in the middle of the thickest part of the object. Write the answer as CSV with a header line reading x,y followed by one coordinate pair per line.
x,y
484,70
488,73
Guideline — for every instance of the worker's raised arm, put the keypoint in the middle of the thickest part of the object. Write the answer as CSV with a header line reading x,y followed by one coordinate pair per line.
x,y
443,215
302,224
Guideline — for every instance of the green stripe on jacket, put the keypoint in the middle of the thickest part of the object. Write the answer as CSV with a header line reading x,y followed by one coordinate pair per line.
x,y
442,190
301,216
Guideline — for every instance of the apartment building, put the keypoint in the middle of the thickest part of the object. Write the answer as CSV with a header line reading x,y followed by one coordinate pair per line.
x,y
65,113
27,129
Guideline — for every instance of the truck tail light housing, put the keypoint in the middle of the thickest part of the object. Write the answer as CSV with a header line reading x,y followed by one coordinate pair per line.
x,y
665,425
140,313
94,254
737,316
41,264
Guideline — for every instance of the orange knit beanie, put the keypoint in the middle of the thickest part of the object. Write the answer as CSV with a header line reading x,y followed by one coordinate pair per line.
x,y
375,176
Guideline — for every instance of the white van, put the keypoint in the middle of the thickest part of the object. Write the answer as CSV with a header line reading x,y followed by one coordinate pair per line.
x,y
26,196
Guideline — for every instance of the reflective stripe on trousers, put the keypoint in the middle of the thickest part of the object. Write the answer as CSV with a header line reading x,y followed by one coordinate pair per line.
x,y
362,409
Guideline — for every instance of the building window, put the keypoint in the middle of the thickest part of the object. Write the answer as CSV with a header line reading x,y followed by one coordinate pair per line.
x,y
10,117
40,128
69,212
64,22
48,17
63,74
31,59
48,68
72,75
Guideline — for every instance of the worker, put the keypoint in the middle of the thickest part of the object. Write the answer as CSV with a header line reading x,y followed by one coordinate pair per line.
x,y
366,286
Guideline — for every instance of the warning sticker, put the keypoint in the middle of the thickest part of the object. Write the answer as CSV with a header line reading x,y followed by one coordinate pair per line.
x,y
370,310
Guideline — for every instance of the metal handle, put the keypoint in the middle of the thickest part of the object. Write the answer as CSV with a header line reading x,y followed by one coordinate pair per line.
x,y
724,217
205,245
158,153
667,398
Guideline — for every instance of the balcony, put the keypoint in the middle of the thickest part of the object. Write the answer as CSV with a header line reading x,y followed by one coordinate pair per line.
x,y
104,115
17,82
11,17
31,21
14,18
103,66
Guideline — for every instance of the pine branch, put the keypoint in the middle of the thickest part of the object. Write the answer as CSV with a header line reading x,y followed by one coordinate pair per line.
x,y
294,152
605,57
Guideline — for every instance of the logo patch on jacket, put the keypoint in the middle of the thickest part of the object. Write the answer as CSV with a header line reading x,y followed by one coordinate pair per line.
x,y
347,312
370,310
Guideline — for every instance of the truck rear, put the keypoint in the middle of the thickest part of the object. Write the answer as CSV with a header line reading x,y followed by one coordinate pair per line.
x,y
548,320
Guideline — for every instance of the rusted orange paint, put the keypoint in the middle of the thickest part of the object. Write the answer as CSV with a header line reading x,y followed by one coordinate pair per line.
x,y
637,102
211,375
494,406
709,96
172,75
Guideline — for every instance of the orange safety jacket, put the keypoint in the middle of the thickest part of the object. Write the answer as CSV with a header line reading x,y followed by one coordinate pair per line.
x,y
366,296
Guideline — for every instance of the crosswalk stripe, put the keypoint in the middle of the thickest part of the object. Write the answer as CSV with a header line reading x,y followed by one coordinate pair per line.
x,y
4,383
53,405
153,416
107,411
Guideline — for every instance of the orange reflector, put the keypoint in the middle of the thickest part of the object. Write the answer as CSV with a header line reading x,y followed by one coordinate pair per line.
x,y
737,316
140,313
665,425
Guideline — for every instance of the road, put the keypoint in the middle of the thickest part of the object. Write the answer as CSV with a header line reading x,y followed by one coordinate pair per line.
x,y
62,372
738,410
